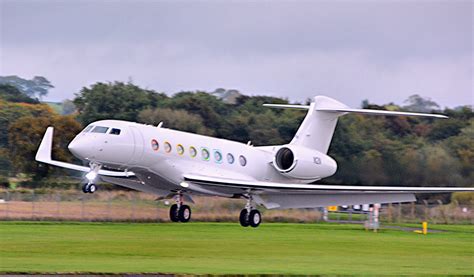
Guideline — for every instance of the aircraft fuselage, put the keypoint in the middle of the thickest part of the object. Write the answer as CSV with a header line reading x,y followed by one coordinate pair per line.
x,y
171,153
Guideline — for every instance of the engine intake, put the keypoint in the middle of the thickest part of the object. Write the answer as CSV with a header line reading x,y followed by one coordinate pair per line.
x,y
285,159
303,163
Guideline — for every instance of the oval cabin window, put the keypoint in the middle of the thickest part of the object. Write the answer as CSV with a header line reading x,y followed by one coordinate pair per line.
x,y
167,147
230,158
205,154
242,160
217,156
192,151
180,149
154,145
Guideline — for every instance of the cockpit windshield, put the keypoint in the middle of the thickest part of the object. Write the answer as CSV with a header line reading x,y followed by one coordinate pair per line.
x,y
88,128
100,129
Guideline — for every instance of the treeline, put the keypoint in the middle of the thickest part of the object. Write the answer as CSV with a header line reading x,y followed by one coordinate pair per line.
x,y
369,150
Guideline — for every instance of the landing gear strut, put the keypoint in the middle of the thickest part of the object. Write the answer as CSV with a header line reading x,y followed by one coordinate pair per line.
x,y
250,216
89,188
180,212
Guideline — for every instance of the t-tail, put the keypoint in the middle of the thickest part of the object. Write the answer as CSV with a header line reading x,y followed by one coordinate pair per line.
x,y
318,127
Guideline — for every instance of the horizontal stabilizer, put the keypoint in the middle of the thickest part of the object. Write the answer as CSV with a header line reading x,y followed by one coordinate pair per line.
x,y
379,112
286,106
349,110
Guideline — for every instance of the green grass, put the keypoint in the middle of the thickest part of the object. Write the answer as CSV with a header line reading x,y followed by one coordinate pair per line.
x,y
222,248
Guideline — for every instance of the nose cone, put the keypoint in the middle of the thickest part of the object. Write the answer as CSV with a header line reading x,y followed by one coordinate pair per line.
x,y
79,148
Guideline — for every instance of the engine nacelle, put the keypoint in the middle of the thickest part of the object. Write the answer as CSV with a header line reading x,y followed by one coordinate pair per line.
x,y
303,163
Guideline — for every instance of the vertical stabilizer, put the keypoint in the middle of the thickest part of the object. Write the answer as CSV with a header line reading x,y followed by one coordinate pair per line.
x,y
318,127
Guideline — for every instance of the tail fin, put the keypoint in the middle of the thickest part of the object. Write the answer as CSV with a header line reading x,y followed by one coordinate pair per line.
x,y
317,128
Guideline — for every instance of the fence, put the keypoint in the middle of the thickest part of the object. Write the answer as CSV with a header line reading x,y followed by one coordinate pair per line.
x,y
137,206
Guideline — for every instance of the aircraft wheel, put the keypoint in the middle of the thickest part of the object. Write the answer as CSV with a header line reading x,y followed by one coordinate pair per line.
x,y
184,213
92,188
255,218
174,213
244,218
89,188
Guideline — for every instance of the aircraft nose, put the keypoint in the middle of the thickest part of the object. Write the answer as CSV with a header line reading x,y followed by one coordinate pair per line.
x,y
78,148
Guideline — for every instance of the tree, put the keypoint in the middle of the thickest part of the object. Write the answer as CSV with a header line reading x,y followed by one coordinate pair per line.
x,y
25,135
176,119
114,101
371,168
442,129
209,108
461,147
10,112
37,87
416,103
68,107
12,94
441,169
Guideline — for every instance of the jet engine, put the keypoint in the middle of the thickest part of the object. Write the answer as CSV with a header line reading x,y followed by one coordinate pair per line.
x,y
303,163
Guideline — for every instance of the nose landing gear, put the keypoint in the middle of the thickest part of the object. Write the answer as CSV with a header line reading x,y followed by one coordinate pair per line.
x,y
90,187
180,212
250,216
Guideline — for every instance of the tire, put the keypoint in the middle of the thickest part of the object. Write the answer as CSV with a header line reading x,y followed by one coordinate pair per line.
x,y
243,218
84,188
255,218
184,214
174,213
92,188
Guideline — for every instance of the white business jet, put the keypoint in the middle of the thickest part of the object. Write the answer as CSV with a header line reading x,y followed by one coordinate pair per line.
x,y
175,164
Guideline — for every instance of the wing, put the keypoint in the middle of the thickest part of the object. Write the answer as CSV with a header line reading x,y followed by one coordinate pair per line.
x,y
284,195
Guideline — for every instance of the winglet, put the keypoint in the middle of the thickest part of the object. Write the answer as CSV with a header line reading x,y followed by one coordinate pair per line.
x,y
44,150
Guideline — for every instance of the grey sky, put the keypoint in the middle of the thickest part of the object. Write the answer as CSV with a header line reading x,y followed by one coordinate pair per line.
x,y
350,50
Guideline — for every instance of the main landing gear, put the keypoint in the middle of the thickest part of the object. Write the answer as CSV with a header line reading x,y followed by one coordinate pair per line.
x,y
89,188
250,216
180,212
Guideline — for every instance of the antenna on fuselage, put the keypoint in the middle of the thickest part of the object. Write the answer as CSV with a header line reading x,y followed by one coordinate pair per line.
x,y
249,143
159,124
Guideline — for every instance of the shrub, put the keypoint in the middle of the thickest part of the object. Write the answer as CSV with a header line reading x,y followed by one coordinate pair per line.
x,y
463,198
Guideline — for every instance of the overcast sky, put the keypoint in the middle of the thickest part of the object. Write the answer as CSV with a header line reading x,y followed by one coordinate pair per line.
x,y
350,50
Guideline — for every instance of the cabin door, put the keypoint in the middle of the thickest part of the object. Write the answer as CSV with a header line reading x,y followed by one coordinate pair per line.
x,y
138,142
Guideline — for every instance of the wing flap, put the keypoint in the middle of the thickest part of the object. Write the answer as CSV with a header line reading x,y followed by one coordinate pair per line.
x,y
309,200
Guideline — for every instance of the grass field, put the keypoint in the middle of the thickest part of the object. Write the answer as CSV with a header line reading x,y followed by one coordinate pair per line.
x,y
223,248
